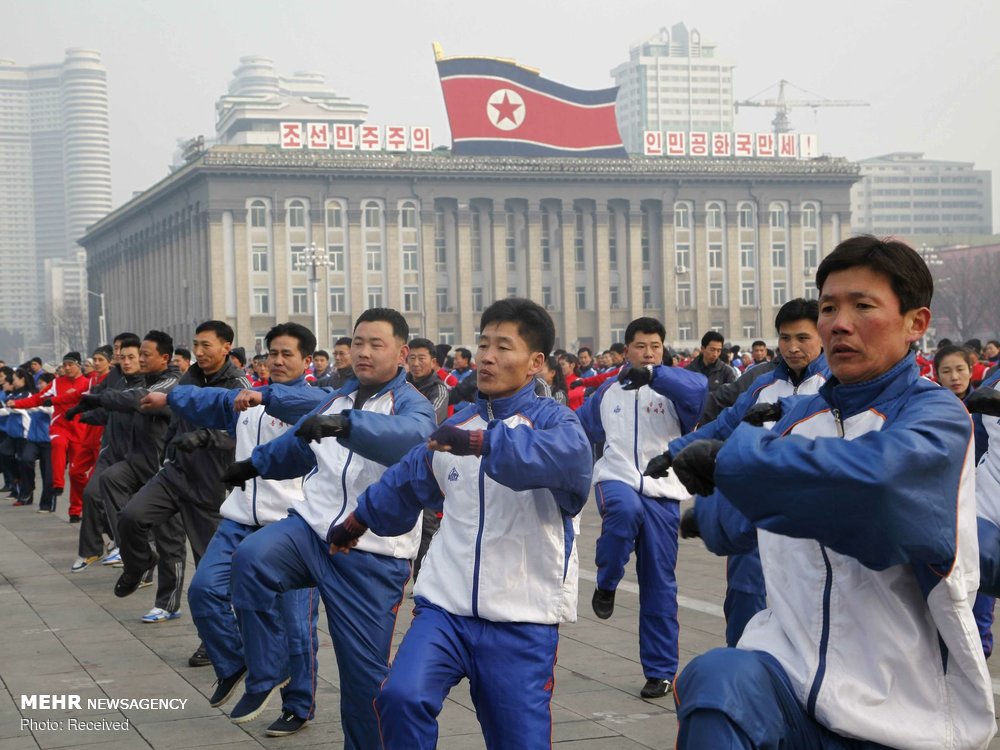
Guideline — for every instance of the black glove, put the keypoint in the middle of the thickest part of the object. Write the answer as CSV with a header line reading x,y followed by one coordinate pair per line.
x,y
984,401
758,414
659,466
695,466
239,473
72,414
191,441
345,532
320,426
90,401
632,378
462,442
689,525
46,402
576,384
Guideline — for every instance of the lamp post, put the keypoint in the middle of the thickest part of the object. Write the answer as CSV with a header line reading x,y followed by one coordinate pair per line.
x,y
102,320
312,259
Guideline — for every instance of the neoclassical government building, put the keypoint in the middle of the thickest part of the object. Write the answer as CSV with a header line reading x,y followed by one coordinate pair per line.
x,y
240,232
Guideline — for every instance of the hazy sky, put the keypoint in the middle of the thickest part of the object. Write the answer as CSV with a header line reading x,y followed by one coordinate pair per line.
x,y
930,69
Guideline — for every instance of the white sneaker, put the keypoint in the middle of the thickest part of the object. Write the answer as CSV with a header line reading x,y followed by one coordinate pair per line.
x,y
159,615
114,557
82,563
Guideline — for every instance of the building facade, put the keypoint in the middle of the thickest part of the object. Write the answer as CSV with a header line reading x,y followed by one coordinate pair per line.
x,y
56,175
903,193
705,243
673,81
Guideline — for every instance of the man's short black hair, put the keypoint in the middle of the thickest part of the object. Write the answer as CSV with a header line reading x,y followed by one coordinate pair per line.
x,y
907,272
320,352
583,349
305,337
994,342
644,325
36,359
944,342
124,335
129,342
221,329
796,309
420,343
618,348
534,325
758,342
164,342
342,341
400,328
711,336
975,344
183,353
466,354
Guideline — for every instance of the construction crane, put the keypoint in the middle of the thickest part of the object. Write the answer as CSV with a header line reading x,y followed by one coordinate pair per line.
x,y
781,105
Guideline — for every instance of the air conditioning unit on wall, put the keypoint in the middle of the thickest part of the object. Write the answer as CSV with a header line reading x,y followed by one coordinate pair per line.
x,y
680,269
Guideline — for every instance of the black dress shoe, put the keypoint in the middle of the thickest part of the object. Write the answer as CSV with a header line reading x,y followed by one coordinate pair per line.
x,y
128,583
655,688
603,603
200,657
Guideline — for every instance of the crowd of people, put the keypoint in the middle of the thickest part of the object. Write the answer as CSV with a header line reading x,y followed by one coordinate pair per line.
x,y
856,501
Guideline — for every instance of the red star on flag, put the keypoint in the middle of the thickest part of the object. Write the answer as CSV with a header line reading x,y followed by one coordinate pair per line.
x,y
506,109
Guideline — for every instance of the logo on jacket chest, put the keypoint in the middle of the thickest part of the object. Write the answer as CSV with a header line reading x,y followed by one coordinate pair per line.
x,y
453,475
618,409
655,407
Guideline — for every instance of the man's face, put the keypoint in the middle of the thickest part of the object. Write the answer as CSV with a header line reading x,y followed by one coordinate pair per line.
x,y
585,359
991,351
35,367
505,362
616,358
180,363
759,353
644,349
150,359
128,360
341,356
460,362
421,363
711,352
862,330
376,353
116,347
799,344
101,365
321,363
71,368
210,352
284,360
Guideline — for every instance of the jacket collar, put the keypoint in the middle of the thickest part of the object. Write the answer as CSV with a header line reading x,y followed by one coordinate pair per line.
x,y
818,365
857,397
501,408
300,380
353,384
228,371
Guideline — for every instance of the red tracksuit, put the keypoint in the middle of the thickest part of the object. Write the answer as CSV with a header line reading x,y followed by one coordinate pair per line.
x,y
90,434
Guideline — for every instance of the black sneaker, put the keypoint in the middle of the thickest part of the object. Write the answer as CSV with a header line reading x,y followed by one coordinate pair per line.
x,y
287,723
603,603
128,583
252,705
74,519
655,688
225,688
200,657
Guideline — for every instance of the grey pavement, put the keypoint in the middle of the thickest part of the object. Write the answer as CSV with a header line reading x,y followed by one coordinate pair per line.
x,y
66,633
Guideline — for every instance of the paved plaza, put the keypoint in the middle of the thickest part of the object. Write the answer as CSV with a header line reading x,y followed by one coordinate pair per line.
x,y
66,634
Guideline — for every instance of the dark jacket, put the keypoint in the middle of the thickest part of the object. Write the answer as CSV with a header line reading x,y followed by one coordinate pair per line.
x,y
434,391
116,441
726,395
718,373
196,474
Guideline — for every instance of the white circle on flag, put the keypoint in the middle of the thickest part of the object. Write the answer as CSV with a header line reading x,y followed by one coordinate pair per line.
x,y
505,108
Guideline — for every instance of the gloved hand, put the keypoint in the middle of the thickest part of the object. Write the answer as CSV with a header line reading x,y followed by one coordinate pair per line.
x,y
320,426
90,401
984,401
46,402
191,441
73,413
695,466
576,383
689,525
460,442
632,378
345,534
758,414
239,473
659,466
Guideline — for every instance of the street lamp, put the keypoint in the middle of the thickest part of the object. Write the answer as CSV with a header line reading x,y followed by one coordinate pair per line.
x,y
102,321
312,258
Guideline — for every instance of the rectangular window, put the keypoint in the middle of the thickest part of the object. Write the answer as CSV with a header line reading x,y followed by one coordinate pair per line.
x,y
335,257
778,254
644,241
683,294
718,326
442,299
613,240
547,300
581,298
476,240
374,296
617,335
682,256
684,331
258,216
779,293
716,297
410,258
259,254
579,247
810,254
261,302
337,300
510,241
297,256
749,330
334,217
511,291
615,299
715,255
810,291
300,301
746,217
373,257
411,299
440,243
477,299
546,241
746,255
446,336
748,294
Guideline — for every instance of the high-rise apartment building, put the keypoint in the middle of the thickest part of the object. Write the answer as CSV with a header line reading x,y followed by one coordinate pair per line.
x,y
903,193
673,81
56,175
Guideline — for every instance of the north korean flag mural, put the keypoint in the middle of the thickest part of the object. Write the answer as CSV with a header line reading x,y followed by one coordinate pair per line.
x,y
499,108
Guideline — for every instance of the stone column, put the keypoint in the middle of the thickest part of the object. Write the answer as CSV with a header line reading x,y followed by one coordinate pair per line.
x,y
356,266
428,272
602,280
461,294
634,261
567,217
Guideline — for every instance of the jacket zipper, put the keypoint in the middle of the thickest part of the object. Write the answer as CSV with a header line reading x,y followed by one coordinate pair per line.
x,y
824,640
635,437
482,525
253,502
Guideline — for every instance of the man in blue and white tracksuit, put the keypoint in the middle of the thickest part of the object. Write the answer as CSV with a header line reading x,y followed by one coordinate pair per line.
x,y
801,371
635,415
510,473
984,403
341,447
244,512
863,496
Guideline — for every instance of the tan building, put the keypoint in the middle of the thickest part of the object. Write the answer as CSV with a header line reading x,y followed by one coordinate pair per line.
x,y
699,243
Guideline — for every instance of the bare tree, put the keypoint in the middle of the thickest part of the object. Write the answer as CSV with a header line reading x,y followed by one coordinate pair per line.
x,y
966,290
